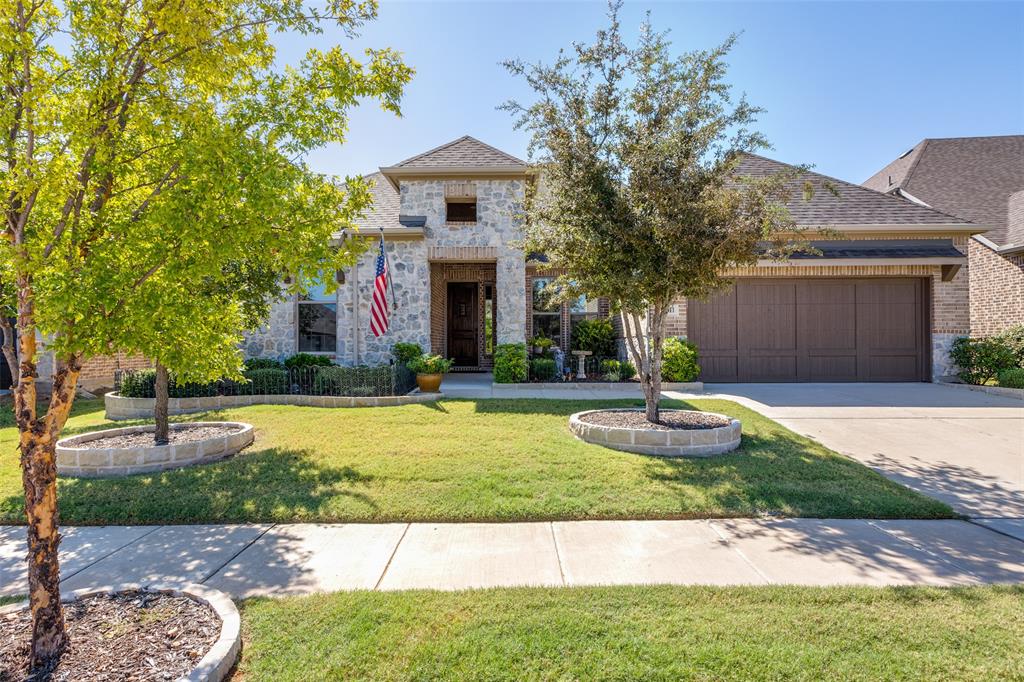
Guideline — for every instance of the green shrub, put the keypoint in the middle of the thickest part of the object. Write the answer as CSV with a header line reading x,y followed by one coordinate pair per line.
x,y
543,369
1012,378
266,381
679,360
510,363
404,353
597,336
263,363
430,364
138,384
614,370
541,345
981,360
307,360
358,381
1013,338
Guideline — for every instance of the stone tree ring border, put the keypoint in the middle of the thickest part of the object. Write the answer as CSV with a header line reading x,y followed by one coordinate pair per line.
x,y
658,442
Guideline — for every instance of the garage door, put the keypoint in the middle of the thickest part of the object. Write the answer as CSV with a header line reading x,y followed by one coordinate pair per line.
x,y
790,330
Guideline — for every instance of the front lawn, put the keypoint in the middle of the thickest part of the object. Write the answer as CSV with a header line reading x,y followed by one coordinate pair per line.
x,y
469,460
639,633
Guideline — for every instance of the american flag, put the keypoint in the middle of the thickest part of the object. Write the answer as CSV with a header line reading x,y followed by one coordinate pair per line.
x,y
379,312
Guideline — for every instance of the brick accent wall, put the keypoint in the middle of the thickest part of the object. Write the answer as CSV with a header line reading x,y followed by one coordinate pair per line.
x,y
996,290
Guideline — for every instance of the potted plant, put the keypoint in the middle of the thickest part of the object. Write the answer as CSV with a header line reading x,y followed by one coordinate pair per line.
x,y
541,345
430,369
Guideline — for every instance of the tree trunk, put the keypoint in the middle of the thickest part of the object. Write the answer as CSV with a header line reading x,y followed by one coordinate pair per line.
x,y
161,434
640,351
656,331
38,446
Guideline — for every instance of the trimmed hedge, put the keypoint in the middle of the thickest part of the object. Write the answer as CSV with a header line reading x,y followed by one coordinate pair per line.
x,y
307,360
405,353
510,363
543,369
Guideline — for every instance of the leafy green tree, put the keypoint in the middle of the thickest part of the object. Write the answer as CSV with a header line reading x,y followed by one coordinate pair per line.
x,y
639,199
144,146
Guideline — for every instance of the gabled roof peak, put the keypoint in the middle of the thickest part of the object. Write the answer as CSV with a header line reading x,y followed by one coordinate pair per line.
x,y
464,152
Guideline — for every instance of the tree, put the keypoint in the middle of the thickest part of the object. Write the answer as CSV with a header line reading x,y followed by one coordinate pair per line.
x,y
638,199
142,143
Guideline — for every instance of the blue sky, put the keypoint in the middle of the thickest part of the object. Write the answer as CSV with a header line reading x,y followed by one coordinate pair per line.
x,y
847,86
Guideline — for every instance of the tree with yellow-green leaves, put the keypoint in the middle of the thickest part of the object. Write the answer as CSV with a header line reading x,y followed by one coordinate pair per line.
x,y
146,146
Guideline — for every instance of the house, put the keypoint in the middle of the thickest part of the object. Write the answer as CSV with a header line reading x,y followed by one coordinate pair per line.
x,y
883,301
980,179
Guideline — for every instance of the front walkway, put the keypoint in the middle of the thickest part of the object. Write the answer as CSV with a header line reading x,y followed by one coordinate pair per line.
x,y
248,560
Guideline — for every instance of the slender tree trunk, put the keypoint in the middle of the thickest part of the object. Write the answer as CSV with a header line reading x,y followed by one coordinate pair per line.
x,y
161,434
656,331
640,350
38,446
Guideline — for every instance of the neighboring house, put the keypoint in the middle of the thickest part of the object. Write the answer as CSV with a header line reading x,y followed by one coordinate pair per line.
x,y
980,179
883,301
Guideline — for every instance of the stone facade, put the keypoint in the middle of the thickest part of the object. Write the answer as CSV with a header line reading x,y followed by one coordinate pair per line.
x,y
997,290
490,242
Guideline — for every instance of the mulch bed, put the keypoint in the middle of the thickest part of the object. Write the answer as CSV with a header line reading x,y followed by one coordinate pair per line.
x,y
671,420
186,434
128,636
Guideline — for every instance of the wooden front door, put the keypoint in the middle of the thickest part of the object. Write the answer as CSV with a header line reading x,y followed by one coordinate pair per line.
x,y
463,322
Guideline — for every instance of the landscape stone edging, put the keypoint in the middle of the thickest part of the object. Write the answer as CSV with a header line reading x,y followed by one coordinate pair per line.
x,y
687,386
218,661
1017,393
119,408
144,459
660,443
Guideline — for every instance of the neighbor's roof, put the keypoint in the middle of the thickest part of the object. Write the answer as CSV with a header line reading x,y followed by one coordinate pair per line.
x,y
851,205
971,177
465,152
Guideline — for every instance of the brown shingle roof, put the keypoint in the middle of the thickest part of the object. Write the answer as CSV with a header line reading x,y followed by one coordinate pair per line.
x,y
971,177
465,152
854,205
386,204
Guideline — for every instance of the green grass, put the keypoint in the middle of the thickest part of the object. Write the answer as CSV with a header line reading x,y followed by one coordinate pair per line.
x,y
462,460
639,633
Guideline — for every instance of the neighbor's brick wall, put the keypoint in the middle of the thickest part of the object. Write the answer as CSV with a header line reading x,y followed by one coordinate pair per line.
x,y
996,290
98,372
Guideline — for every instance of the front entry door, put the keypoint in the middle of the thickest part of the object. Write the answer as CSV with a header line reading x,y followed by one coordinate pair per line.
x,y
462,324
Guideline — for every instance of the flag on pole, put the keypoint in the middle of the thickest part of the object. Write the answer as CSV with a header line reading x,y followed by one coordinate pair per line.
x,y
380,314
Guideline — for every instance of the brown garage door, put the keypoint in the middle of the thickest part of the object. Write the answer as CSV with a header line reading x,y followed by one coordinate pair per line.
x,y
790,330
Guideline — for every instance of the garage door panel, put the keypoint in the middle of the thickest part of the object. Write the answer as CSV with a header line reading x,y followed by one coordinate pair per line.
x,y
813,330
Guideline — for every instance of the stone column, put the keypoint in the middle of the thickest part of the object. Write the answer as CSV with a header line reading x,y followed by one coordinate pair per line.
x,y
511,294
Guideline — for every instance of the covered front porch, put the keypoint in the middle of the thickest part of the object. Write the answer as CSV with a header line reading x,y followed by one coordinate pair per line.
x,y
463,313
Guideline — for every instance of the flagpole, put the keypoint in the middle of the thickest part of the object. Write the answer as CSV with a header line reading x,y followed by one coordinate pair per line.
x,y
391,282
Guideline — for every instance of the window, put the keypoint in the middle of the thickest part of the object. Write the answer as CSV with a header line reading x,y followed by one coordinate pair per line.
x,y
318,321
489,331
581,309
547,314
460,211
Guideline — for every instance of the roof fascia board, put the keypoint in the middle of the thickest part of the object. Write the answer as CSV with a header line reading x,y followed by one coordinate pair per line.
x,y
393,233
959,228
831,262
392,173
1008,250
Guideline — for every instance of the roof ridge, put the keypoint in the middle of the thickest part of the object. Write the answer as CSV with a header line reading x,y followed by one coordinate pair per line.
x,y
974,137
853,185
917,159
431,151
495,149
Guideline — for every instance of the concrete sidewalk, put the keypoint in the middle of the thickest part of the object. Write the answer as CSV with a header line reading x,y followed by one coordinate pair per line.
x,y
248,560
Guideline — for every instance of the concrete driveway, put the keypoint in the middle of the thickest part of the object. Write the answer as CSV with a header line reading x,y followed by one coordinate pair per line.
x,y
963,447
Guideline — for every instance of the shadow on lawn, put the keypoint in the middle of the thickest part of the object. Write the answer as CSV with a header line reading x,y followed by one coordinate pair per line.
x,y
276,484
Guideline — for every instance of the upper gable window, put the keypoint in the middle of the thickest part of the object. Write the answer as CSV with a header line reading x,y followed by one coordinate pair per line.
x,y
457,211
460,202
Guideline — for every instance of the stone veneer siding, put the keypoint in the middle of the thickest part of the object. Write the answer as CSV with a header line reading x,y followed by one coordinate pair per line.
x,y
490,238
949,314
997,290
